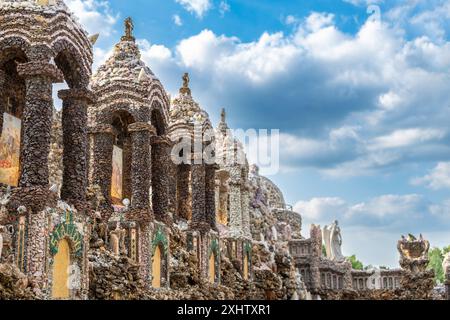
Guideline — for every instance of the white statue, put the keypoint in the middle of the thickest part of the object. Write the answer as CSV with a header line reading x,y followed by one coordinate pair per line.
x,y
333,242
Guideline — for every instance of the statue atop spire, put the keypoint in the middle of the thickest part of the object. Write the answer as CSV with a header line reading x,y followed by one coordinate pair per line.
x,y
223,115
129,27
185,88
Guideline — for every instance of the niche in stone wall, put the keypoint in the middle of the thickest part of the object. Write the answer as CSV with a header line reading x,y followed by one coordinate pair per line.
x,y
213,262
121,158
160,249
247,260
12,103
61,265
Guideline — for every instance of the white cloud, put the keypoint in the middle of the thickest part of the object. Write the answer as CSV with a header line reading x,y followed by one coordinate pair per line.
x,y
199,7
177,20
321,209
224,7
407,137
438,178
95,16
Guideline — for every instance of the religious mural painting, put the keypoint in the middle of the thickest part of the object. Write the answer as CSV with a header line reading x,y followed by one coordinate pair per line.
x,y
117,176
10,150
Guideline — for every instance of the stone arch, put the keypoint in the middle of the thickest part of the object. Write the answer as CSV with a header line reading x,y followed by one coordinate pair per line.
x,y
13,44
105,115
120,121
80,62
12,104
70,62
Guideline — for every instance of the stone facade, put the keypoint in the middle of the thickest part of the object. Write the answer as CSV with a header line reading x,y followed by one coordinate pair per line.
x,y
124,194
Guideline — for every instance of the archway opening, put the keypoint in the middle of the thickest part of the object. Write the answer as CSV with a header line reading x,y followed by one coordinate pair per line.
x,y
12,104
121,157
61,265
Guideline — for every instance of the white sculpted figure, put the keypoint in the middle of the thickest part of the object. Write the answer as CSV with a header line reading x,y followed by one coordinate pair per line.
x,y
333,242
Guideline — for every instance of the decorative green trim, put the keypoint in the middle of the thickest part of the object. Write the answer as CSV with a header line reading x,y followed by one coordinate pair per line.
x,y
67,229
247,247
214,247
160,239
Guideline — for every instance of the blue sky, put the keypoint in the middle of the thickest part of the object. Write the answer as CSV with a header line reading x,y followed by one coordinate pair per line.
x,y
360,90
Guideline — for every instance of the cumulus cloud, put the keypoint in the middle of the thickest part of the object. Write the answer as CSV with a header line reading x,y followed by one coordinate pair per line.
x,y
387,89
95,15
396,213
198,7
438,178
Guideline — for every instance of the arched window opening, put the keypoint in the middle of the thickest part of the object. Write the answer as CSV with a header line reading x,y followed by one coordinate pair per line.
x,y
121,158
12,104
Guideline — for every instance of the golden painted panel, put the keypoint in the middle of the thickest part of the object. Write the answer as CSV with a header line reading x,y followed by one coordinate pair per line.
x,y
212,269
10,150
117,176
156,268
61,264
246,266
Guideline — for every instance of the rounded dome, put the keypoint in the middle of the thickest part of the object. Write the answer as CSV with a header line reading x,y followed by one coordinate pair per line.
x,y
125,81
185,113
51,32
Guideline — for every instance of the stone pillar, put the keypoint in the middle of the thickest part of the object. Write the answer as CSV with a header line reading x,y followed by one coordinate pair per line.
x,y
210,195
145,254
199,220
37,248
2,98
245,209
141,134
235,202
100,168
37,121
74,125
184,208
160,177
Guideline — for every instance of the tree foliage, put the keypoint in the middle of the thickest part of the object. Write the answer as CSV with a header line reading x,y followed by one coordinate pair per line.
x,y
436,256
356,264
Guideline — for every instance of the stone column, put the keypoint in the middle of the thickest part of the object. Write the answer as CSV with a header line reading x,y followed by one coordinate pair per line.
x,y
245,209
141,134
235,202
37,121
145,254
199,220
37,248
74,124
184,208
210,196
160,177
2,98
100,173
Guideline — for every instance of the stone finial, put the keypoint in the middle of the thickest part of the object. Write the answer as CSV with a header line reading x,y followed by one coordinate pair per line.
x,y
185,88
223,115
129,27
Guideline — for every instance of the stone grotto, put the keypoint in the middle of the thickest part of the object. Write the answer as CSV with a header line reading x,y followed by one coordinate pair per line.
x,y
94,203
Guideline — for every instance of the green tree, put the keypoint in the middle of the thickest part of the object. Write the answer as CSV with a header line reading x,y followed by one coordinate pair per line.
x,y
324,251
436,257
356,264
